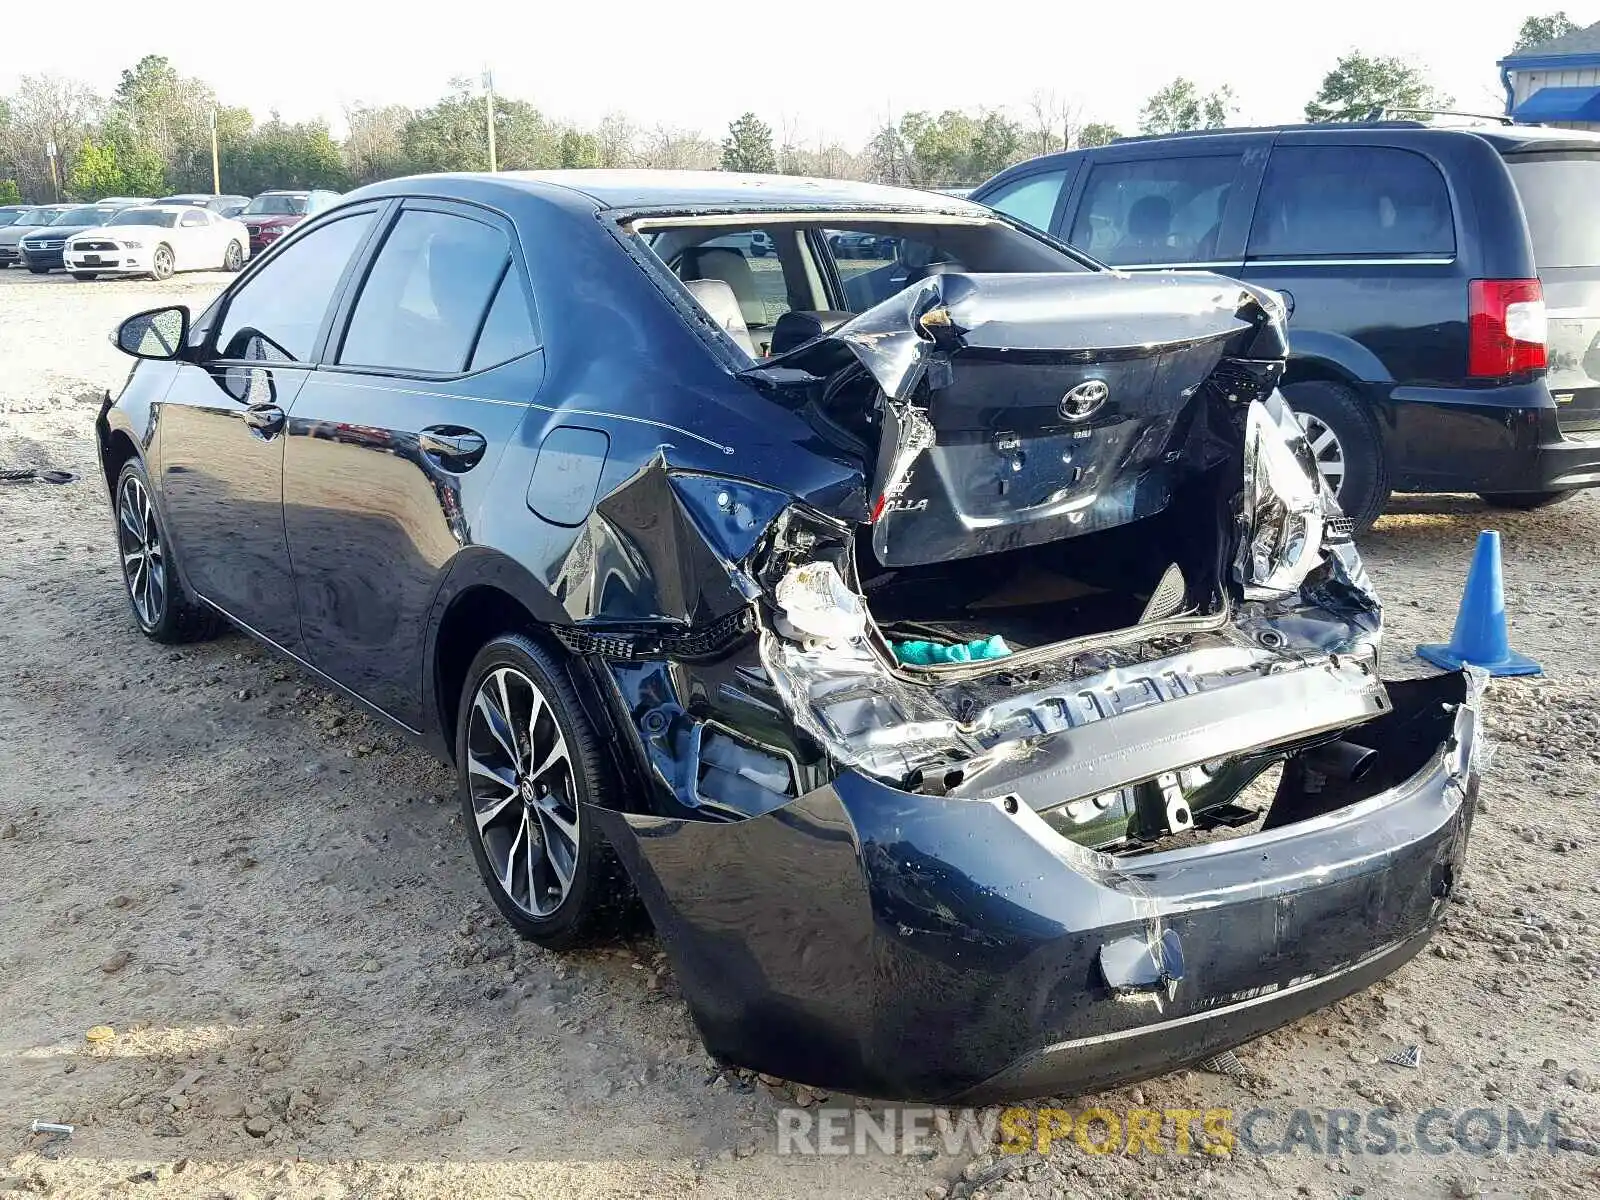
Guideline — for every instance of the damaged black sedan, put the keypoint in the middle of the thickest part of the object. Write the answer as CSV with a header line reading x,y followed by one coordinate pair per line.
x,y
950,642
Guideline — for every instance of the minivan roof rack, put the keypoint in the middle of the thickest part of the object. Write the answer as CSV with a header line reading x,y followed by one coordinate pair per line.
x,y
1225,129
1383,112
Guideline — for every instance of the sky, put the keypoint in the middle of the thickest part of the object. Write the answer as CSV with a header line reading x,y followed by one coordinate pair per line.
x,y
831,72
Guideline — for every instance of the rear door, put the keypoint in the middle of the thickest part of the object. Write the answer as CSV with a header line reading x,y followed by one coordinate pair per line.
x,y
1173,204
1560,193
393,440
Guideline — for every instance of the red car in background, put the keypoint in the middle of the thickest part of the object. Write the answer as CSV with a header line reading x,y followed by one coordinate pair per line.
x,y
272,214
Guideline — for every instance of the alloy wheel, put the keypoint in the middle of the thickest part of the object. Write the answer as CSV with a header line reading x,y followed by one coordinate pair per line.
x,y
1326,449
234,257
144,560
161,263
524,798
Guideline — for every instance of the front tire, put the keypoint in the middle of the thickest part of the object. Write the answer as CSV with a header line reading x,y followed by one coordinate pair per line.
x,y
162,606
528,764
161,263
1526,501
85,276
1344,440
233,257
40,270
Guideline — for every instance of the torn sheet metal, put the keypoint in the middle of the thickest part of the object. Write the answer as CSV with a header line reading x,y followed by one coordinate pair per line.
x,y
1023,409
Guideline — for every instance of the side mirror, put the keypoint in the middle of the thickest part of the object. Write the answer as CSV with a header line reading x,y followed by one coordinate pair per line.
x,y
159,333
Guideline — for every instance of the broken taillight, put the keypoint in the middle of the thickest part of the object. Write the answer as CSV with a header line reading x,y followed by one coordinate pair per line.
x,y
1506,327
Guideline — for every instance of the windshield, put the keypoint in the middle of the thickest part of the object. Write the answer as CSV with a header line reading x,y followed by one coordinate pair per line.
x,y
1558,193
277,206
9,218
87,215
147,216
38,216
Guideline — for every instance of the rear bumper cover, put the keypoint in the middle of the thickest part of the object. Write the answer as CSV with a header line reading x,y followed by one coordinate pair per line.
x,y
1506,439
916,947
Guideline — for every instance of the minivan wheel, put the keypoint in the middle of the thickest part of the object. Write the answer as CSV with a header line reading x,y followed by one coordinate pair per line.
x,y
162,606
1344,439
1526,501
528,765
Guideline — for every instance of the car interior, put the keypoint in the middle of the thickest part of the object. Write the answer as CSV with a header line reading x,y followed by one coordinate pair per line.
x,y
797,288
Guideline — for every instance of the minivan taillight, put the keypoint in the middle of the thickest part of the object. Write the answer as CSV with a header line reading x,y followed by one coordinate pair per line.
x,y
1506,327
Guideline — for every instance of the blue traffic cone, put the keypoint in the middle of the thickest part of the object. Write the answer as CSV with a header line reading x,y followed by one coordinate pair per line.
x,y
1480,636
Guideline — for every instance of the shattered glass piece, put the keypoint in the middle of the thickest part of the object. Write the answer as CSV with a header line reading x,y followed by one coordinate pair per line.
x,y
819,605
1407,1056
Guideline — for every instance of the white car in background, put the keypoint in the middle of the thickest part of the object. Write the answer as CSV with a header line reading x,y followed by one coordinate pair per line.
x,y
157,240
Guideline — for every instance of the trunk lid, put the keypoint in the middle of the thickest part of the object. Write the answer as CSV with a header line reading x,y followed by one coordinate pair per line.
x,y
1019,409
1560,193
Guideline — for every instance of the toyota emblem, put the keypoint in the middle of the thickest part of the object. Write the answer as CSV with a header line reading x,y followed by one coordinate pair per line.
x,y
1084,400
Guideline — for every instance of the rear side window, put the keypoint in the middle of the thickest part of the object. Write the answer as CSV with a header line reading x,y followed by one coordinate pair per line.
x,y
426,295
276,314
1165,210
1559,199
508,328
1032,200
1343,201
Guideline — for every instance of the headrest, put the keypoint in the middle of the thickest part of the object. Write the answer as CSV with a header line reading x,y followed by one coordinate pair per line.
x,y
795,329
720,304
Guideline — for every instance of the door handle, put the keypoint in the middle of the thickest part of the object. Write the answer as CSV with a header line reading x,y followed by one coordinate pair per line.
x,y
454,448
265,419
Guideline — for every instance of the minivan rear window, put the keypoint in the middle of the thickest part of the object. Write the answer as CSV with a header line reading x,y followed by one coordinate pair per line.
x,y
1347,201
1558,196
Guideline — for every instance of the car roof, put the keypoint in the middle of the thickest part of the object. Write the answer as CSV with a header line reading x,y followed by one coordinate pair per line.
x,y
180,209
705,190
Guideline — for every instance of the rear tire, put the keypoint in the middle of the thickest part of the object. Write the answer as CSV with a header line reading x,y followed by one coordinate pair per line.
x,y
1355,449
1526,501
162,607
528,765
233,257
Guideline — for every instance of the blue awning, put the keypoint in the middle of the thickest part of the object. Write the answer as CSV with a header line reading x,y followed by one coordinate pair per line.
x,y
1560,104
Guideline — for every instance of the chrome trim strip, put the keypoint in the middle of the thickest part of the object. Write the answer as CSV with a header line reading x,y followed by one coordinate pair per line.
x,y
1100,1039
1351,262
334,381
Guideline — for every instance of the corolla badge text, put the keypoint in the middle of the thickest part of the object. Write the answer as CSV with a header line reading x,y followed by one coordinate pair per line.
x,y
1083,401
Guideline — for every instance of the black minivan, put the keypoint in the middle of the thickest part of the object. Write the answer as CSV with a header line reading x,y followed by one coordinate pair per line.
x,y
1443,284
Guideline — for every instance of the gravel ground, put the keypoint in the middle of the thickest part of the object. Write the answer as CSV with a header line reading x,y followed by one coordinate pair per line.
x,y
270,899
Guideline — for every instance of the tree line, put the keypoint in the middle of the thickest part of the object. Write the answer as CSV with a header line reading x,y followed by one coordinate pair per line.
x,y
153,134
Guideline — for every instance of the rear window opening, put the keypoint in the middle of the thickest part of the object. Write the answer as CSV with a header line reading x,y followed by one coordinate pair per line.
x,y
747,271
1232,799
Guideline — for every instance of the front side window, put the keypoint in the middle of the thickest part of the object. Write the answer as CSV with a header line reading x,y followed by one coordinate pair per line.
x,y
277,312
1154,211
1032,200
1334,201
193,218
427,293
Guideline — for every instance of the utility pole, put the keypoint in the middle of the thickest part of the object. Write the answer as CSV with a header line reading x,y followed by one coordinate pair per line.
x,y
488,106
55,178
216,165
